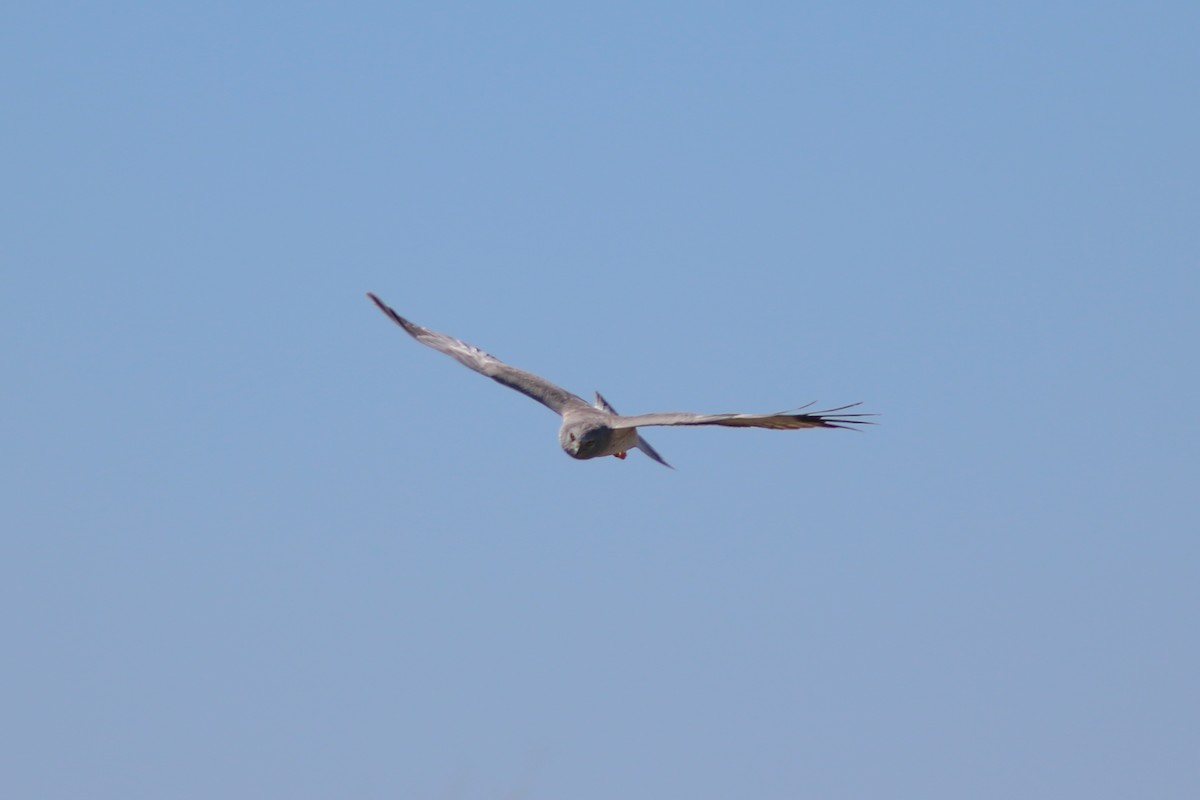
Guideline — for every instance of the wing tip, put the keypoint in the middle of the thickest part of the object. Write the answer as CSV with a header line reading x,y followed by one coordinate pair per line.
x,y
391,314
834,417
847,422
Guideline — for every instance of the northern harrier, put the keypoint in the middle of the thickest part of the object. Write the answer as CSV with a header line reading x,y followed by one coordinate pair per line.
x,y
591,431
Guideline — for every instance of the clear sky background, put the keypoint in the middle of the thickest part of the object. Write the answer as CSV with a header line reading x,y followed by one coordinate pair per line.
x,y
259,543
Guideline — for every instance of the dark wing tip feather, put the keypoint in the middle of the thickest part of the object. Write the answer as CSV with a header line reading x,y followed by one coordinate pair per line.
x,y
411,328
385,308
846,424
834,418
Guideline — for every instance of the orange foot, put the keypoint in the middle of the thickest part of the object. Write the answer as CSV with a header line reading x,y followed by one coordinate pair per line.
x,y
620,455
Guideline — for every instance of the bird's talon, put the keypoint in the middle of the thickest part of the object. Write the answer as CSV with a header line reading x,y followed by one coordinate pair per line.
x,y
620,455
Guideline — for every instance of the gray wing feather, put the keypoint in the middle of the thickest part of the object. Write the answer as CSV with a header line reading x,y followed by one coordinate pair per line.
x,y
783,420
553,397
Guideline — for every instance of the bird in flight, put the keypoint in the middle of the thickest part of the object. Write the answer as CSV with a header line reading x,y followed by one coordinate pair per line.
x,y
591,431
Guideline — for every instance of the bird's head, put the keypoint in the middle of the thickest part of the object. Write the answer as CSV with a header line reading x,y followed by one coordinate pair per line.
x,y
584,439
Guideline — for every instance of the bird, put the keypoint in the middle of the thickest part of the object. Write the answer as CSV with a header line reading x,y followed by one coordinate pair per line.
x,y
593,430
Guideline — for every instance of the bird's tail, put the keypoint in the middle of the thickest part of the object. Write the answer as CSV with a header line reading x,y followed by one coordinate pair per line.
x,y
645,447
642,444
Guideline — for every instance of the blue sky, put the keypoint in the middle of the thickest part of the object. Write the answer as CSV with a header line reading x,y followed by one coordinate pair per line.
x,y
258,543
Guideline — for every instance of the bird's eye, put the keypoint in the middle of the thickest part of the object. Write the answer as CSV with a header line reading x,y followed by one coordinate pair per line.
x,y
572,436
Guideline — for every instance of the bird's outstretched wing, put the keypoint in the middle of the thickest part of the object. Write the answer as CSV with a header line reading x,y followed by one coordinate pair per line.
x,y
784,420
553,397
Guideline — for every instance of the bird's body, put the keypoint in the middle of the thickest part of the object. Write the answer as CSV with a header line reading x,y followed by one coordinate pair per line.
x,y
591,431
587,433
